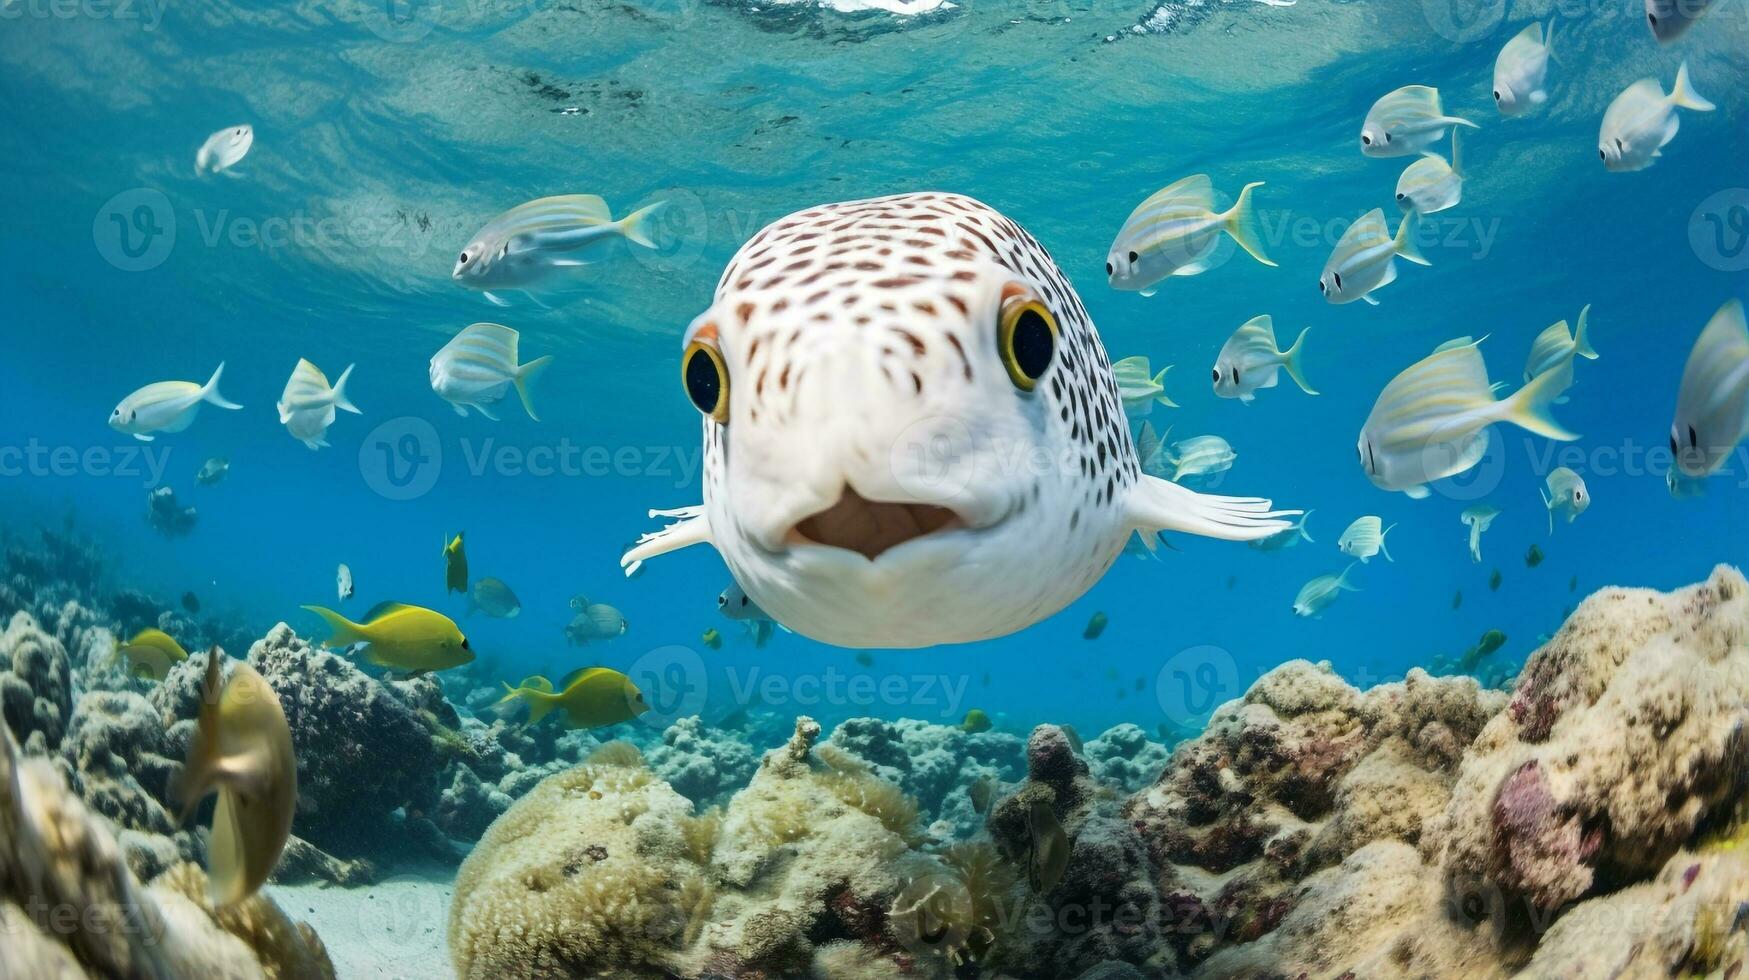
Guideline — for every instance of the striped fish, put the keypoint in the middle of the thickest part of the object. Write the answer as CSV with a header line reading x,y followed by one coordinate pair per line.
x,y
1201,456
1251,359
1405,122
1712,406
306,408
1317,595
1521,71
1365,538
1555,348
1365,258
1566,495
1174,232
477,367
1431,421
1431,185
1139,390
520,248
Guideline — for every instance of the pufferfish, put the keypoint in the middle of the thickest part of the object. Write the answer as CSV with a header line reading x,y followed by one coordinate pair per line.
x,y
912,435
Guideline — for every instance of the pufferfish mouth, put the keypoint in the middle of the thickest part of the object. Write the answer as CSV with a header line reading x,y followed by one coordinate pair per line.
x,y
871,527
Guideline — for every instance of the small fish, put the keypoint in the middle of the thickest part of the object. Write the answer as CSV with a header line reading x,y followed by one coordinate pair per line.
x,y
478,367
167,406
976,721
1405,122
865,659
224,150
1712,406
1048,847
1555,348
343,582
306,408
1457,599
1174,232
1431,184
1566,495
1431,421
212,471
1095,626
1670,19
1282,539
1533,557
150,654
521,248
1521,71
588,698
711,638
1201,456
734,603
983,792
191,602
1137,389
1317,595
1073,736
1486,647
492,597
455,566
1478,518
241,748
1364,539
401,637
1642,121
1365,258
1494,581
596,621
1251,359
1152,452
1573,584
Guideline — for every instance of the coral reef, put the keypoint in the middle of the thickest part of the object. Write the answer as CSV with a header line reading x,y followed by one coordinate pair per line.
x,y
702,765
36,684
1125,757
936,764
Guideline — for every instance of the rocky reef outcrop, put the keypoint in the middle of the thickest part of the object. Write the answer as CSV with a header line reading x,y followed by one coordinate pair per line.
x,y
36,684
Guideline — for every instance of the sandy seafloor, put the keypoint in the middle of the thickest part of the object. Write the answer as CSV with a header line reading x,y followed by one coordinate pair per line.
x,y
393,929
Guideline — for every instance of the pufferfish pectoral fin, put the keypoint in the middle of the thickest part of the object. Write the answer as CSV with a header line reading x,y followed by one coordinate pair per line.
x,y
691,528
1160,505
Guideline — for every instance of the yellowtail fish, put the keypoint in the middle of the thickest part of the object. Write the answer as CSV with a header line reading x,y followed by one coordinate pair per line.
x,y
1201,456
241,749
1431,185
1431,421
711,638
404,638
1670,19
1712,406
167,406
150,654
224,150
455,566
1555,348
1364,539
478,366
1365,258
1566,495
306,408
1285,538
1521,71
976,720
1174,233
1251,359
1140,392
1405,122
592,697
841,517
1642,121
1317,595
521,248
1478,518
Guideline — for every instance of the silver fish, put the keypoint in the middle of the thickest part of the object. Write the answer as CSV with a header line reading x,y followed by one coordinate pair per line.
x,y
1670,19
1521,71
1174,233
1201,456
1555,348
307,406
1431,185
477,368
1286,538
1642,121
521,248
1364,539
212,471
1251,359
224,150
1566,495
1478,518
1317,595
1138,391
343,582
1365,258
1405,122
1712,406
167,406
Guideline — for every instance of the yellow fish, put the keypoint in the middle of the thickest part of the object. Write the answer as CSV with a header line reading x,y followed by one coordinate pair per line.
x,y
455,566
401,637
243,750
151,654
593,697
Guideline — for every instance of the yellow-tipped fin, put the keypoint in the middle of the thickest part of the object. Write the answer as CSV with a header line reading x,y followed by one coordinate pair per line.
x,y
344,632
1581,340
524,375
1405,240
1241,222
1529,407
632,225
1291,361
1682,94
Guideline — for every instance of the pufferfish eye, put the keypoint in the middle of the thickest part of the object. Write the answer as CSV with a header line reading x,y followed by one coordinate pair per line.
x,y
1026,340
707,380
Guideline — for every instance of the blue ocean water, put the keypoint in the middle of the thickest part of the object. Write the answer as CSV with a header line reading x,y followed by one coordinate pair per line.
x,y
383,140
